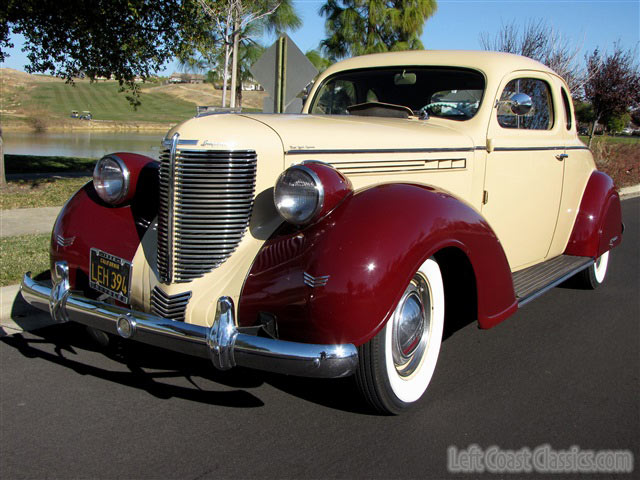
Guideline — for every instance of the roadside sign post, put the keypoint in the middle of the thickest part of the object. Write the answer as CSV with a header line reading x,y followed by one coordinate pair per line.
x,y
274,70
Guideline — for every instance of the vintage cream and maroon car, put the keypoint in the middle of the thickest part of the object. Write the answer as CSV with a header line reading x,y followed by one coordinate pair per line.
x,y
414,189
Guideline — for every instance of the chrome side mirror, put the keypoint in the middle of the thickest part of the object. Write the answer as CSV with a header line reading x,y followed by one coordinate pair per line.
x,y
520,103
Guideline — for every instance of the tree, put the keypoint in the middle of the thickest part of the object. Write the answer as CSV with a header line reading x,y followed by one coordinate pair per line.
x,y
613,84
584,112
123,38
249,53
318,60
540,42
617,123
3,177
357,27
235,22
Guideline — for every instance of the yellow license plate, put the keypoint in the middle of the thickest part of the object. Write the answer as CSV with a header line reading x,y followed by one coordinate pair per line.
x,y
110,274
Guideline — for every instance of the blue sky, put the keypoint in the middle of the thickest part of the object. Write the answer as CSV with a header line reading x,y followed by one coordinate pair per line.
x,y
458,23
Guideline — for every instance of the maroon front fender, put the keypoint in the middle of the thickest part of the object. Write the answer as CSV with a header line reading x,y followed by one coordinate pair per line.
x,y
598,226
86,222
369,248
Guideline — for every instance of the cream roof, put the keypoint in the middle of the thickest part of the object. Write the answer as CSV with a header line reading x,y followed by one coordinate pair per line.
x,y
495,63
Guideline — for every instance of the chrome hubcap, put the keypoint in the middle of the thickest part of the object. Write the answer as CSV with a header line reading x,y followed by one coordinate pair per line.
x,y
411,327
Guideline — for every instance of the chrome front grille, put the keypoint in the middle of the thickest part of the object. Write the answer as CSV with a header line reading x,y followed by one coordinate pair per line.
x,y
169,306
206,197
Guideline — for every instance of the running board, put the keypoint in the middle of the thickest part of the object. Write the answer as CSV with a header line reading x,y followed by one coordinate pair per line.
x,y
532,282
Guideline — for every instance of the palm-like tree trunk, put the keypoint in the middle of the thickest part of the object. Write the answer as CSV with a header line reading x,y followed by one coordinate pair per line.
x,y
3,177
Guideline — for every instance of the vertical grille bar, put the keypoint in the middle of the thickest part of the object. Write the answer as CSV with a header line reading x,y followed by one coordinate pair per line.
x,y
165,213
206,198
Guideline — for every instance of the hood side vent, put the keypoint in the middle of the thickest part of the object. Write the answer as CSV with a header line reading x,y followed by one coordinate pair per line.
x,y
399,166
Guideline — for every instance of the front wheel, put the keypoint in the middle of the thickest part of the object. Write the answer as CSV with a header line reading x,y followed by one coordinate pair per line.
x,y
396,366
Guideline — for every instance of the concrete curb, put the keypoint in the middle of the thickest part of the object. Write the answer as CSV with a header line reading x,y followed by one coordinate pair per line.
x,y
629,192
18,316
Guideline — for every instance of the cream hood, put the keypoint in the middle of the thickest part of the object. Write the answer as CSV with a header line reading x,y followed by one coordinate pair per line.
x,y
339,133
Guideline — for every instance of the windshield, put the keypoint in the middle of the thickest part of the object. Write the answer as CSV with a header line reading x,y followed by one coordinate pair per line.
x,y
445,92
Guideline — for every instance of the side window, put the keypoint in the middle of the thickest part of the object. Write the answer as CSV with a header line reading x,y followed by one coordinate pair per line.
x,y
567,109
335,97
540,117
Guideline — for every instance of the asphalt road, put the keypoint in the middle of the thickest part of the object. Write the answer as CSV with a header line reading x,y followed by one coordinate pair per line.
x,y
563,371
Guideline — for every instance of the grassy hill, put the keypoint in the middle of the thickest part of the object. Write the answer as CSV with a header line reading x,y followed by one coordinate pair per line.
x,y
42,102
106,103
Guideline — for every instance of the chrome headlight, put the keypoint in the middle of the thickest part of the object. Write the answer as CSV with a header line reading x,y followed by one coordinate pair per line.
x,y
298,194
111,179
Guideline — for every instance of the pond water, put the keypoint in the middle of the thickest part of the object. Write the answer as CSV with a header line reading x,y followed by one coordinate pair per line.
x,y
81,144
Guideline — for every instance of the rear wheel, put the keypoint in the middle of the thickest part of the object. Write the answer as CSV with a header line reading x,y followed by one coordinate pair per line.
x,y
396,366
592,277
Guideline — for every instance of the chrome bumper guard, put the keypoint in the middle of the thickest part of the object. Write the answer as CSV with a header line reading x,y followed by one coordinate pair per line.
x,y
222,342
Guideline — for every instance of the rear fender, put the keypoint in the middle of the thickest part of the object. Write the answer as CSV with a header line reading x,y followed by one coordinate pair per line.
x,y
338,281
598,225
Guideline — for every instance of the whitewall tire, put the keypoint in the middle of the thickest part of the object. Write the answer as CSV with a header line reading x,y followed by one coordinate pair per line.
x,y
396,366
592,277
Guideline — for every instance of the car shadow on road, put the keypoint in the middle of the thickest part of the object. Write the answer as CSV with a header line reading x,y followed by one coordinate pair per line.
x,y
146,368
149,368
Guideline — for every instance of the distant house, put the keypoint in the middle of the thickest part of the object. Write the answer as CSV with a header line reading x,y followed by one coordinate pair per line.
x,y
186,78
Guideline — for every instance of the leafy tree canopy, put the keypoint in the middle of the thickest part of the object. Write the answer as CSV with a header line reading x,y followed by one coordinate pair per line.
x,y
613,84
318,60
357,27
124,38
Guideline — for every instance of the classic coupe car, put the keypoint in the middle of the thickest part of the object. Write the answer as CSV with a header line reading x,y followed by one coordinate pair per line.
x,y
414,189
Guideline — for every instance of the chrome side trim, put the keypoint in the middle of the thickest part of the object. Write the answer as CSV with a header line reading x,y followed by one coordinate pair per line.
x,y
222,342
380,150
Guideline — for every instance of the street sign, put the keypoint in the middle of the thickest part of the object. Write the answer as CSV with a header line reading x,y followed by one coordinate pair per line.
x,y
283,70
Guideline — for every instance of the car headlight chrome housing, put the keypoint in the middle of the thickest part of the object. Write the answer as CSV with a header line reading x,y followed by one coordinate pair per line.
x,y
298,194
310,191
111,179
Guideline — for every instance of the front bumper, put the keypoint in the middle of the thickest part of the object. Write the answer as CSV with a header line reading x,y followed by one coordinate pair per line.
x,y
222,342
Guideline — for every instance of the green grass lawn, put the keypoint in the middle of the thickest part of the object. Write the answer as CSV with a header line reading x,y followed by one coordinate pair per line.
x,y
104,101
22,254
608,139
43,192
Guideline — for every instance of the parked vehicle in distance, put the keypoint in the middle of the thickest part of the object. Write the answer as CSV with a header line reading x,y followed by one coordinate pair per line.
x,y
86,115
414,188
75,114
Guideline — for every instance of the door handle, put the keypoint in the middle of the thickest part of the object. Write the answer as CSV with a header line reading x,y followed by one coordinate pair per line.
x,y
562,156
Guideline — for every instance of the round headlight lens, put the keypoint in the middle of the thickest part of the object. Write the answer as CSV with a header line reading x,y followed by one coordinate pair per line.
x,y
298,194
111,179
